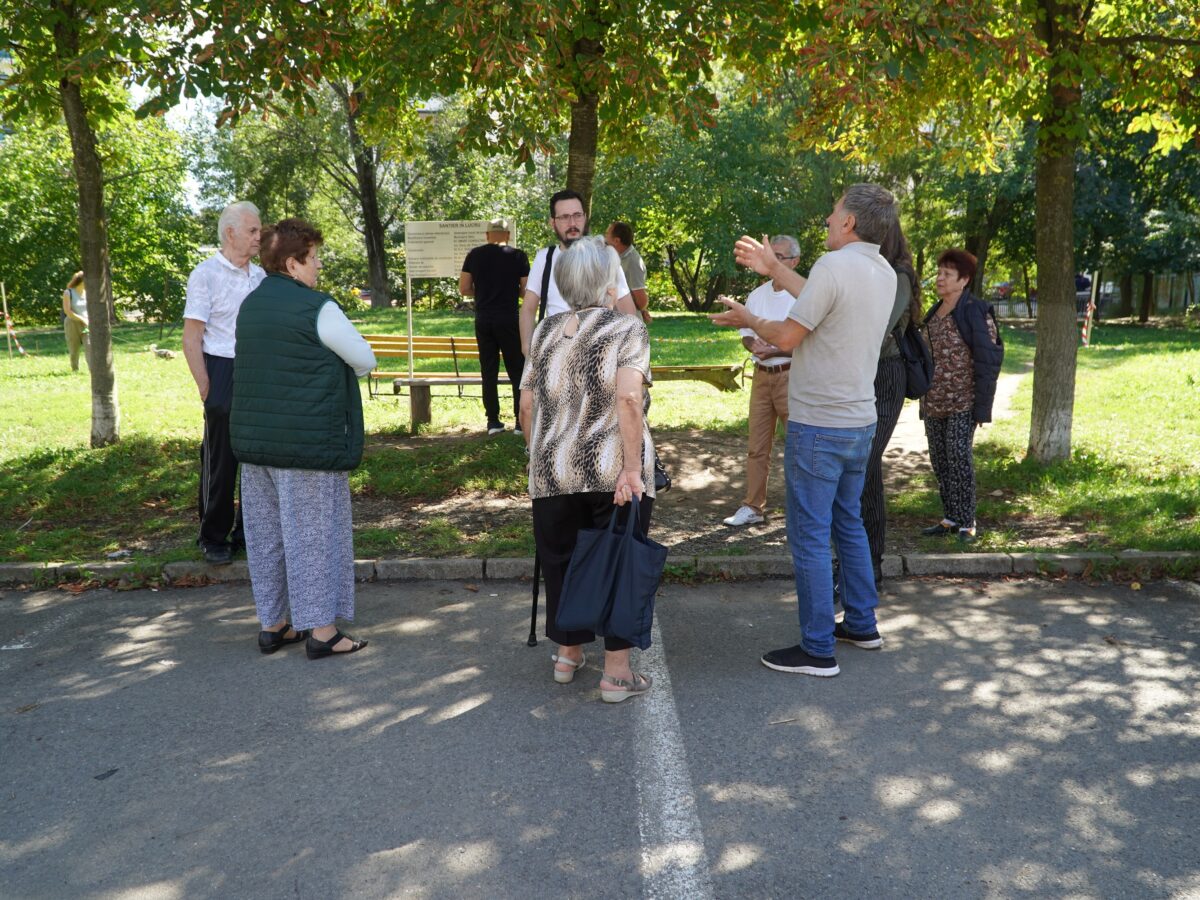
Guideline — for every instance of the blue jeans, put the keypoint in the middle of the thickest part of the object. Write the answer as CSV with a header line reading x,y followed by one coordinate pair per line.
x,y
826,468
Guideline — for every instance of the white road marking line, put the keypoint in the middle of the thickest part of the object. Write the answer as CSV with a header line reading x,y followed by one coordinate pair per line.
x,y
674,862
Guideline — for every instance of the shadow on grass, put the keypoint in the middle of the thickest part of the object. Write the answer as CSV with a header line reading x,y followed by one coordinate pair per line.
x,y
78,503
1118,506
424,468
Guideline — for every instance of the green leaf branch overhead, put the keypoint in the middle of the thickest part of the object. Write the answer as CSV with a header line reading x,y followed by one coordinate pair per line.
x,y
876,74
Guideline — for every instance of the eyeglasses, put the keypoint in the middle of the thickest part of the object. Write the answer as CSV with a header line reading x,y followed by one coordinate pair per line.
x,y
782,258
571,217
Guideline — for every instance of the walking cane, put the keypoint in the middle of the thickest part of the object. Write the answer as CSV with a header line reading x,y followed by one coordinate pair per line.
x,y
537,574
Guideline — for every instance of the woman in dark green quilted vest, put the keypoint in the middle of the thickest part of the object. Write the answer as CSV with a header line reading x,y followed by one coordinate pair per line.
x,y
297,430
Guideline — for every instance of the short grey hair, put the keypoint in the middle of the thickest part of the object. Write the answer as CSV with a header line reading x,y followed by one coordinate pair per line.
x,y
874,211
792,245
232,215
588,268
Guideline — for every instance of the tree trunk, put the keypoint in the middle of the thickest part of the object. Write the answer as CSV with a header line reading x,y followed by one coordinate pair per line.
x,y
1028,292
976,241
366,172
717,283
1146,307
93,236
685,285
982,241
1125,287
585,125
1057,336
581,148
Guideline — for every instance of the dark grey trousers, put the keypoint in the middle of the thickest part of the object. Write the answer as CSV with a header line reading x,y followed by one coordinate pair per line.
x,y
889,400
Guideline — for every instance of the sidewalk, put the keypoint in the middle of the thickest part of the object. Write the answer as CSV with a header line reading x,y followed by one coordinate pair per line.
x,y
1011,738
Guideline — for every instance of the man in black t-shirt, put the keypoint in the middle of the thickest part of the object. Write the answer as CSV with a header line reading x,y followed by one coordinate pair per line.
x,y
494,274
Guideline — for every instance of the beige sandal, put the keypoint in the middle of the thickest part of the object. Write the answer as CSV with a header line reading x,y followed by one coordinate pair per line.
x,y
567,677
639,685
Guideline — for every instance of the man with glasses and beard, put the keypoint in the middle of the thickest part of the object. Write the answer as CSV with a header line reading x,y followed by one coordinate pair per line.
x,y
570,223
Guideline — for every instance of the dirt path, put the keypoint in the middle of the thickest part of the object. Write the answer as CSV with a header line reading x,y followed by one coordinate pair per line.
x,y
709,481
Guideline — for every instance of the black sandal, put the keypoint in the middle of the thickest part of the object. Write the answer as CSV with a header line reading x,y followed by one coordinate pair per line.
x,y
319,649
270,641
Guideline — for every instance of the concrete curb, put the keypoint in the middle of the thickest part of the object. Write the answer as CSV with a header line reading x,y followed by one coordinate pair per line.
x,y
511,568
958,564
1060,563
745,566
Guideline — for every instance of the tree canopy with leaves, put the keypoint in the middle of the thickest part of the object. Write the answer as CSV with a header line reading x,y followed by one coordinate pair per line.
x,y
153,233
739,176
530,71
877,73
70,58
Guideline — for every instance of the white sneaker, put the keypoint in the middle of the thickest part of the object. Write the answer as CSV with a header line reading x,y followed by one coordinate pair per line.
x,y
744,516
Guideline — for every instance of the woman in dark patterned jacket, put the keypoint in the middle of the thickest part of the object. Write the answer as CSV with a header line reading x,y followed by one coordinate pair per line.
x,y
589,447
967,353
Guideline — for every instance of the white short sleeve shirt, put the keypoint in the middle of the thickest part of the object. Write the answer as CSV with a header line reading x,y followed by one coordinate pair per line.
x,y
767,303
554,302
215,291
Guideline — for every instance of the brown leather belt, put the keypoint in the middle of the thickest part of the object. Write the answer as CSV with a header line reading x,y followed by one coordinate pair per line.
x,y
772,370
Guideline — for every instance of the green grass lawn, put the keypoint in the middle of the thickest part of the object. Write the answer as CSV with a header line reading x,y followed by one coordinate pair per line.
x,y
1134,481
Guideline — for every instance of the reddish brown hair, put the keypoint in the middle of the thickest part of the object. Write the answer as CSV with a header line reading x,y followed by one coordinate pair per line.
x,y
960,261
288,239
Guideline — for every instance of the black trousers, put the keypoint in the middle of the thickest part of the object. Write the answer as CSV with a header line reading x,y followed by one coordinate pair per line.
x,y
889,400
952,455
496,339
556,523
220,518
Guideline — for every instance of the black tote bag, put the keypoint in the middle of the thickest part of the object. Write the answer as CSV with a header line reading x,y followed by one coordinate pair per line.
x,y
611,582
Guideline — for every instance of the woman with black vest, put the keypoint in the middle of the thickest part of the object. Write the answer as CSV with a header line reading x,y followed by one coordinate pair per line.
x,y
967,353
297,430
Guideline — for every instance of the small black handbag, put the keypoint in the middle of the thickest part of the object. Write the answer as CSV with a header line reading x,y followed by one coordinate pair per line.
x,y
918,361
611,581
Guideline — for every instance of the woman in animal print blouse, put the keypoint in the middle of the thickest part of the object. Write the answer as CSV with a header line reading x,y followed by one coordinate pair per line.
x,y
589,446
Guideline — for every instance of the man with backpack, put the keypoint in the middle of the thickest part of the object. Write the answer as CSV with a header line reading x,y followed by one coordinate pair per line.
x,y
569,222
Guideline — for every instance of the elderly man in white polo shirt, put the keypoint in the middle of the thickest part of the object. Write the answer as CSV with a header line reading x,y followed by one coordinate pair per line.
x,y
769,394
215,291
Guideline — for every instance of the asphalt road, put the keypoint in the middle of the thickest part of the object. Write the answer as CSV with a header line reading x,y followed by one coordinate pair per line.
x,y
1012,738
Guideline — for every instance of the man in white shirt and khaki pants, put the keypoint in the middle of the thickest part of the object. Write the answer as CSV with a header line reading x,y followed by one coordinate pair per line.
x,y
769,393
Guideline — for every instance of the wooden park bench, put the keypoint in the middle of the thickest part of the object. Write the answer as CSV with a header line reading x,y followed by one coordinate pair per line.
x,y
391,353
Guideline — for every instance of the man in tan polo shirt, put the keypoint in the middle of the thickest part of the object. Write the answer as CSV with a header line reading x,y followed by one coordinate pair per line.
x,y
769,393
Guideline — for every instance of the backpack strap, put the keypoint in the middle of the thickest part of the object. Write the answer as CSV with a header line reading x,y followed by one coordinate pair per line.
x,y
545,283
